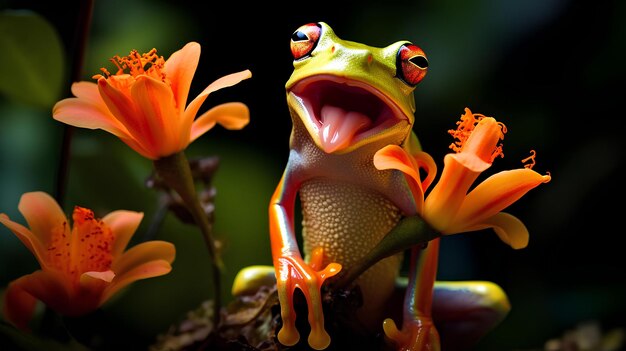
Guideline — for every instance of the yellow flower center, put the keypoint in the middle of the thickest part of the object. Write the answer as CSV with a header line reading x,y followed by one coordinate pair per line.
x,y
135,64
87,248
484,143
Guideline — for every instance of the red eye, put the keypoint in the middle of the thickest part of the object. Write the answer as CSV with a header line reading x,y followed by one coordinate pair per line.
x,y
304,40
411,64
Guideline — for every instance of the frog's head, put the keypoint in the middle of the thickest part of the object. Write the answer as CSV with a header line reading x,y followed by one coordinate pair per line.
x,y
348,94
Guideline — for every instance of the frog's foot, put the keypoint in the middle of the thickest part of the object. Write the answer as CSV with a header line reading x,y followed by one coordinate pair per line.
x,y
417,334
291,273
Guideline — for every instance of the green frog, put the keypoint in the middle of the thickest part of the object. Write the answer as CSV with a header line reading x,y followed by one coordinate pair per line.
x,y
347,101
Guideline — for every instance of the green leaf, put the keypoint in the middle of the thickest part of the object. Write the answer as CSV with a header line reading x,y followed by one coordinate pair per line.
x,y
31,60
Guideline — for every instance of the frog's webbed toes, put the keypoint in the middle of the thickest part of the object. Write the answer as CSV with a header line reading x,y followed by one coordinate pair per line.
x,y
319,338
288,334
317,258
292,273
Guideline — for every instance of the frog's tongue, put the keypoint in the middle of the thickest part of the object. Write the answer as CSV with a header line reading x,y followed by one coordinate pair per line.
x,y
339,127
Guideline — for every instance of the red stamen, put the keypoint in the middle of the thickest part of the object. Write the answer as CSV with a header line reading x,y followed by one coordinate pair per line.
x,y
87,247
96,242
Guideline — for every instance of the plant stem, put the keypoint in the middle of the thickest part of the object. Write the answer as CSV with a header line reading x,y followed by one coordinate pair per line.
x,y
85,15
176,173
157,219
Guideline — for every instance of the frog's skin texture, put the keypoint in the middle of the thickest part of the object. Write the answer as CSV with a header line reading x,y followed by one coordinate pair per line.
x,y
348,100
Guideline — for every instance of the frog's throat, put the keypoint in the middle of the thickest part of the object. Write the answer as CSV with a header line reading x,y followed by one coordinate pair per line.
x,y
342,114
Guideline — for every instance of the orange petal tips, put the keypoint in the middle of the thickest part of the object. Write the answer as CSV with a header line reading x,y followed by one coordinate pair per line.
x,y
82,265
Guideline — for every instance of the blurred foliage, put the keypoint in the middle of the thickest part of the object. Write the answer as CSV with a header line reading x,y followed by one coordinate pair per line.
x,y
550,70
31,66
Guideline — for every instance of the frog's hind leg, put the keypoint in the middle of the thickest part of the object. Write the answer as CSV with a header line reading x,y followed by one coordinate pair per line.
x,y
444,315
418,331
465,311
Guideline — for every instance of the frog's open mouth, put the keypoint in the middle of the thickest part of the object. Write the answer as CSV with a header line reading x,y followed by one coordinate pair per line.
x,y
343,112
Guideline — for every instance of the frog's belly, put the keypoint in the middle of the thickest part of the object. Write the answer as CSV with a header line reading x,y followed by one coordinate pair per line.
x,y
347,221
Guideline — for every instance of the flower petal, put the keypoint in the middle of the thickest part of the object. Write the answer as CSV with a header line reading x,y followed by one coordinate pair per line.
x,y
19,305
232,115
88,110
426,162
123,224
146,270
396,158
192,109
470,161
123,108
106,276
92,286
142,253
89,92
443,202
155,105
27,238
496,193
43,214
179,69
140,149
483,140
22,294
509,228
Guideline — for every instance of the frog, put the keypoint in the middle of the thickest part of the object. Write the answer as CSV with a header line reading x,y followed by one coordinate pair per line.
x,y
348,100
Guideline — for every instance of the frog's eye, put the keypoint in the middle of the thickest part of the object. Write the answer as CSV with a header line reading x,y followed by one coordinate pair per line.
x,y
411,64
304,40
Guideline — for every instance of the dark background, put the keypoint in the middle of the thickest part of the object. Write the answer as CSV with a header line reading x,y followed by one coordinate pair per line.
x,y
552,71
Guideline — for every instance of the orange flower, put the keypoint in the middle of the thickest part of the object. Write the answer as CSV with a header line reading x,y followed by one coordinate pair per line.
x,y
449,208
145,107
81,266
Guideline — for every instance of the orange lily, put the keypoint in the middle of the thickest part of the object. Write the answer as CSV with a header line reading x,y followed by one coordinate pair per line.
x,y
449,208
145,107
81,266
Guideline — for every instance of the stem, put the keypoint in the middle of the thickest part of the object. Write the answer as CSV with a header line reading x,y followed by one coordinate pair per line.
x,y
176,173
157,219
409,232
85,15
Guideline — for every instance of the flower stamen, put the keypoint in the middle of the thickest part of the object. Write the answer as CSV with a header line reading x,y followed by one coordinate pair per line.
x,y
530,159
497,152
136,64
466,126
86,248
464,129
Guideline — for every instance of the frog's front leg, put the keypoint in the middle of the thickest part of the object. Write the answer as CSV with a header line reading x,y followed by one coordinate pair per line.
x,y
293,272
463,312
